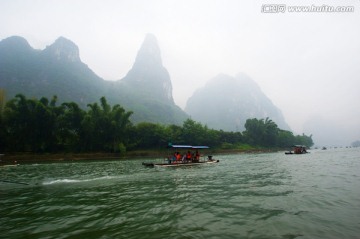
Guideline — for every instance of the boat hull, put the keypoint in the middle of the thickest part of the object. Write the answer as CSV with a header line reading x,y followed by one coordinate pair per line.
x,y
295,153
179,164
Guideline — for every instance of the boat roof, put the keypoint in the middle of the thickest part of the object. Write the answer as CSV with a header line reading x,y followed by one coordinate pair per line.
x,y
178,146
200,147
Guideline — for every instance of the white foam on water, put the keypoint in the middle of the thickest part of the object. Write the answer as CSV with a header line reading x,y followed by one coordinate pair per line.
x,y
59,181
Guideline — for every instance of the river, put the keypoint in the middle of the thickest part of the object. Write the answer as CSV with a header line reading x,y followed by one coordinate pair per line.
x,y
268,195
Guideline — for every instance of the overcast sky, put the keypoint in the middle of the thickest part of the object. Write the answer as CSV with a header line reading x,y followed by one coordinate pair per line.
x,y
306,63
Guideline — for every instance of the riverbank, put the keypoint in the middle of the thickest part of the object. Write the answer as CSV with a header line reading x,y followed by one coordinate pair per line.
x,y
19,158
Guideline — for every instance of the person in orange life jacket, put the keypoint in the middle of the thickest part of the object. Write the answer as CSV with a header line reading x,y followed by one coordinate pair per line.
x,y
178,156
197,156
188,156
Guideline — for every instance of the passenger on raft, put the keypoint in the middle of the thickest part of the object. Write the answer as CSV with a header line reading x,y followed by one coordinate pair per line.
x,y
178,157
186,158
175,158
189,157
197,156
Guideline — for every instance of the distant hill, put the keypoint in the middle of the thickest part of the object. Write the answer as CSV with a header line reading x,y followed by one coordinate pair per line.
x,y
226,102
58,70
147,87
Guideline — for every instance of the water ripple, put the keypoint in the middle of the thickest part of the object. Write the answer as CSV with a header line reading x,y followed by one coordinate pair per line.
x,y
245,196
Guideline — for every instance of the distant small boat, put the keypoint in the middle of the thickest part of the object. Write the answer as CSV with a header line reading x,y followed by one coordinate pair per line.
x,y
324,148
298,149
188,159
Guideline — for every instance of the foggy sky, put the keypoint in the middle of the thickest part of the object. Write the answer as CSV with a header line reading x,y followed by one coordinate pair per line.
x,y
306,63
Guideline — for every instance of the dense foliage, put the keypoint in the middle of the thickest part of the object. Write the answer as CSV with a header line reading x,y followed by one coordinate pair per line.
x,y
41,126
31,125
264,132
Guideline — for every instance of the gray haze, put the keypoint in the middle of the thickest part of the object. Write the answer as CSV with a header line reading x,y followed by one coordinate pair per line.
x,y
306,63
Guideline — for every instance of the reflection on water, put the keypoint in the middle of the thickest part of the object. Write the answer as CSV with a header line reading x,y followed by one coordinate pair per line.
x,y
244,196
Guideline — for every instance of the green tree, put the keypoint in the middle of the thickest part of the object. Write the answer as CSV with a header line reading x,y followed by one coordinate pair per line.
x,y
229,139
120,126
44,122
194,133
304,140
69,127
105,128
18,121
174,134
151,135
285,139
271,133
254,131
29,124
261,132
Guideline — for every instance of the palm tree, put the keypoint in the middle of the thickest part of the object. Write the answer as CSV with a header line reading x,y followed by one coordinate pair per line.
x,y
271,132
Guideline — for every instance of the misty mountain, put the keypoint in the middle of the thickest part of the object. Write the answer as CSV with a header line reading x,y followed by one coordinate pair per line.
x,y
149,74
226,102
147,87
58,70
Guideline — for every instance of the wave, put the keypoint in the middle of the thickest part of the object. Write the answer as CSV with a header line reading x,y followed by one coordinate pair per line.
x,y
65,180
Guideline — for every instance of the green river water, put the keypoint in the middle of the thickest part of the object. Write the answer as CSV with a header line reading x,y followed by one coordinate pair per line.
x,y
271,195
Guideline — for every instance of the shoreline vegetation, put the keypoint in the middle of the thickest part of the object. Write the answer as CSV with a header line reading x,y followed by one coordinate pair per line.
x,y
23,158
40,130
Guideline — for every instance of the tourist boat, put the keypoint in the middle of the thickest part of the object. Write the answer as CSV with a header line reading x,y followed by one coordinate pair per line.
x,y
178,160
298,149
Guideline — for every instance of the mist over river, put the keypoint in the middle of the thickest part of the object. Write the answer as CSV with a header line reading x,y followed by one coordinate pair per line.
x,y
270,195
